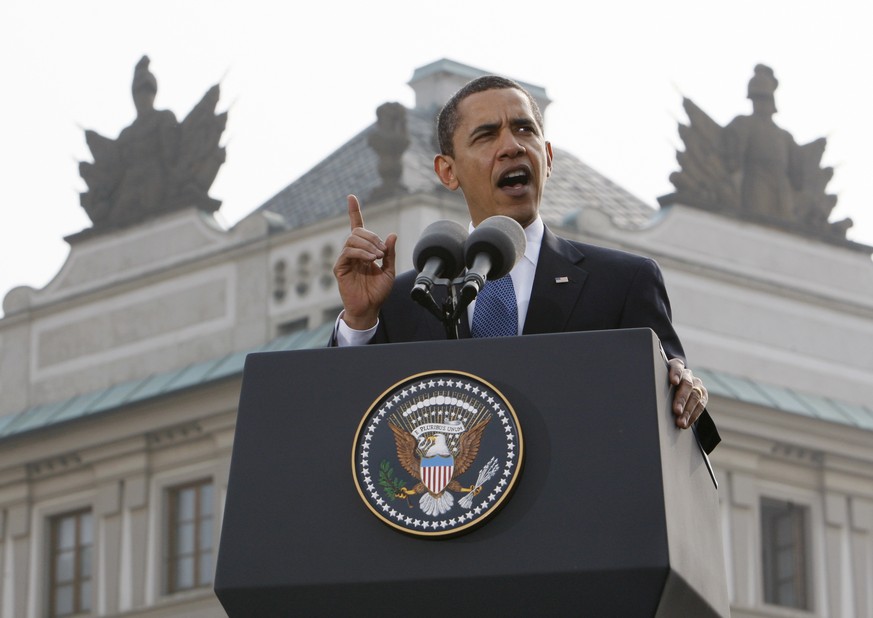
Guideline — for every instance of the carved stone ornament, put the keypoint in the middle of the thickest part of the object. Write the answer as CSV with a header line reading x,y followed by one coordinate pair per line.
x,y
390,139
157,165
754,170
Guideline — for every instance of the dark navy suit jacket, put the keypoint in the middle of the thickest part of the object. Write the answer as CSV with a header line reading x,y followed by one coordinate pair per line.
x,y
577,287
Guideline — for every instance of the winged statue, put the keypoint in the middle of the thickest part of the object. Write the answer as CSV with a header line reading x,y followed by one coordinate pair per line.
x,y
437,465
157,164
754,170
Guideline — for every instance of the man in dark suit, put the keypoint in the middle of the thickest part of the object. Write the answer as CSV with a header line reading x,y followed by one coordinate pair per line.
x,y
493,150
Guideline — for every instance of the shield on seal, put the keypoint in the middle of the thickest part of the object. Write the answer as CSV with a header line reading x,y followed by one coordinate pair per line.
x,y
436,472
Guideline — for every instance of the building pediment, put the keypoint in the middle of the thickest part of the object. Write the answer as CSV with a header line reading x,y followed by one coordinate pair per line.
x,y
102,261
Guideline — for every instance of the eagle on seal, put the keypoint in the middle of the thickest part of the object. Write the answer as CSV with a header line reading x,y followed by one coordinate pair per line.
x,y
434,453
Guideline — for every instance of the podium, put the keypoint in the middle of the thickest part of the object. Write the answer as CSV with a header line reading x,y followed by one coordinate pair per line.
x,y
615,512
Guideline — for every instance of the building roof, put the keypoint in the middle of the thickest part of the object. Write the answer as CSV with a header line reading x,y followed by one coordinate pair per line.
x,y
110,399
321,192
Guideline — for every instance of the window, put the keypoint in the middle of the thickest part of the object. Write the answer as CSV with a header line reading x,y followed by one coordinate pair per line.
x,y
189,536
785,549
71,545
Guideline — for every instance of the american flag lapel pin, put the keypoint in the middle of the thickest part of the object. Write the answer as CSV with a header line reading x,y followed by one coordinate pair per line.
x,y
562,280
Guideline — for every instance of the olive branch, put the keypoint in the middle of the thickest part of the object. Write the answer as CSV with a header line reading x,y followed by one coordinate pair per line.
x,y
391,485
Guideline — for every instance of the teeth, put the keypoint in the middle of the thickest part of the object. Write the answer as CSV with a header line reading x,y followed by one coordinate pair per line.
x,y
520,176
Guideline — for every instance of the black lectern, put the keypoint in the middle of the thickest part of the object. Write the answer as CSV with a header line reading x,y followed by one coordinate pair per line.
x,y
615,512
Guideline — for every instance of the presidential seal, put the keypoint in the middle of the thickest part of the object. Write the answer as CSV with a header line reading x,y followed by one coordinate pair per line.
x,y
437,454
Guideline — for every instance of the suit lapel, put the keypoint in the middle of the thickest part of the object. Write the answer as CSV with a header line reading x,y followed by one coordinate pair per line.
x,y
557,286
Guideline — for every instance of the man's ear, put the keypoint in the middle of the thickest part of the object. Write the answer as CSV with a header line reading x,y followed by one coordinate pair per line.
x,y
548,159
444,166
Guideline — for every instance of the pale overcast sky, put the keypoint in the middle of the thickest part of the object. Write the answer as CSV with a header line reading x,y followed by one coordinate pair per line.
x,y
299,79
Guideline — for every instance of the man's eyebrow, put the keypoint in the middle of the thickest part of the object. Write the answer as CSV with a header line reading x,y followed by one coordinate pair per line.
x,y
523,121
490,127
487,127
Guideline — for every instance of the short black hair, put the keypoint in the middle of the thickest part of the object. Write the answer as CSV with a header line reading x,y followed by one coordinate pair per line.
x,y
448,118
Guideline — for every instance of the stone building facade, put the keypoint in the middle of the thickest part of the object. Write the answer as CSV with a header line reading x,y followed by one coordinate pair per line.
x,y
119,380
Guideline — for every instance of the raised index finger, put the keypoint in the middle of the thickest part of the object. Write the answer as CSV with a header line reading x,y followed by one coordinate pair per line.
x,y
356,219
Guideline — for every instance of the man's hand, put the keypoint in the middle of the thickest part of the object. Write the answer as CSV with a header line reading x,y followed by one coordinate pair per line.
x,y
690,397
363,284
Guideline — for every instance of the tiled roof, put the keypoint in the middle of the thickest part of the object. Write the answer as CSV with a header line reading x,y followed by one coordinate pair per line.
x,y
574,187
137,391
320,193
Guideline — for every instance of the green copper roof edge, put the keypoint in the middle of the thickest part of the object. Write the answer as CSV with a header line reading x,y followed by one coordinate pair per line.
x,y
157,385
136,391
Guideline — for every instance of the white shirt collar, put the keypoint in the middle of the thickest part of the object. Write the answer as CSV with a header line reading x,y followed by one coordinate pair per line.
x,y
533,236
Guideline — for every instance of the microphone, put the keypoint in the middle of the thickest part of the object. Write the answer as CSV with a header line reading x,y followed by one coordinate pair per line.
x,y
491,251
438,253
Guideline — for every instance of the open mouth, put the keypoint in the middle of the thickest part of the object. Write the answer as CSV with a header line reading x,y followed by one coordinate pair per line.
x,y
514,178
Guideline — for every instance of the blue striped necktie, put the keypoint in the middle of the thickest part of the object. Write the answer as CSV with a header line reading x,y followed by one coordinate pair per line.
x,y
496,311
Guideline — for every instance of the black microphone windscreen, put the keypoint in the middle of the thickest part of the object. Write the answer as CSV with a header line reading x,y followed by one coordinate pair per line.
x,y
443,239
502,238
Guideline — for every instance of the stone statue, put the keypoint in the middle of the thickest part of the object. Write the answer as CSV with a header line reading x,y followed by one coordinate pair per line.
x,y
390,139
754,170
156,165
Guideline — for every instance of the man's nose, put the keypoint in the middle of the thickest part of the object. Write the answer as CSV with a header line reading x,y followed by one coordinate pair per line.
x,y
510,146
